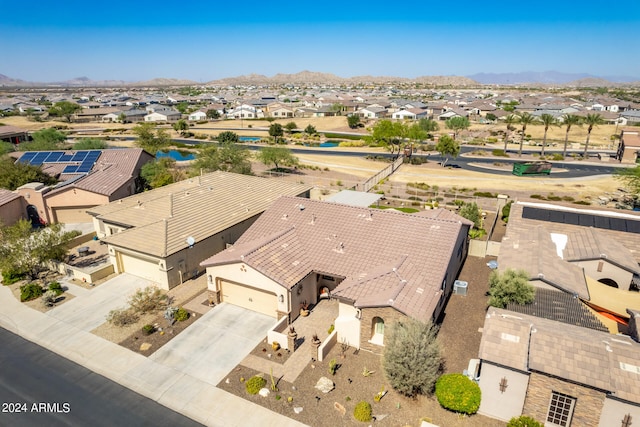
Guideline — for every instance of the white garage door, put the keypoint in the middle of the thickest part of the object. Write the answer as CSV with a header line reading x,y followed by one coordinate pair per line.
x,y
249,297
142,268
72,215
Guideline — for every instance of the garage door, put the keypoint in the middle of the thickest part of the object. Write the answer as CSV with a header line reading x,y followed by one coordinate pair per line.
x,y
142,268
72,215
249,297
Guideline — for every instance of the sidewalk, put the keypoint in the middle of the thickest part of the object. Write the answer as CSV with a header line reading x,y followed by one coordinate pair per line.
x,y
169,386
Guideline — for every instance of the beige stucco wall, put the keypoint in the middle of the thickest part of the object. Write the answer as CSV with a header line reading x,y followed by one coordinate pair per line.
x,y
614,411
149,267
13,211
244,274
35,197
496,404
347,325
72,197
609,271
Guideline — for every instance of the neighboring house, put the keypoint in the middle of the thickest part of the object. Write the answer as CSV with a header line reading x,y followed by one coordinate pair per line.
x,y
127,116
631,116
381,266
277,110
162,235
95,114
410,114
108,175
12,207
372,112
557,373
13,134
244,112
628,148
197,116
163,116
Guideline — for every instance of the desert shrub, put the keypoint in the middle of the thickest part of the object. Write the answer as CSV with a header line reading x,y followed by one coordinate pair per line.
x,y
511,286
56,287
333,366
557,156
49,298
30,291
411,359
122,317
537,196
148,299
181,315
148,329
499,153
554,197
582,202
254,384
331,329
568,198
477,233
362,411
506,211
458,393
484,194
492,139
523,421
10,277
471,211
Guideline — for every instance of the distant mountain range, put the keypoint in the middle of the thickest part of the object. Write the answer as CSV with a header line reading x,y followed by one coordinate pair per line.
x,y
309,77
549,77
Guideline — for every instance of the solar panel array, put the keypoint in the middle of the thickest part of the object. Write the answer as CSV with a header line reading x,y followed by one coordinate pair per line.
x,y
83,160
583,219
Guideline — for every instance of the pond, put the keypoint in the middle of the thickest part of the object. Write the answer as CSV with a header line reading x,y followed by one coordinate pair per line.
x,y
177,155
324,144
249,138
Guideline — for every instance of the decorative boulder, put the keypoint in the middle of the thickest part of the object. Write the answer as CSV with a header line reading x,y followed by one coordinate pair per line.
x,y
325,385
264,392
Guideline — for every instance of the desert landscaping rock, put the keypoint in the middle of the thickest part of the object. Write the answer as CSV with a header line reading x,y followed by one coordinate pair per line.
x,y
297,409
145,346
264,392
325,385
340,408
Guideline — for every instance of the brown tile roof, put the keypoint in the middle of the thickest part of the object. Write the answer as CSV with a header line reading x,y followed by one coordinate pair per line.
x,y
387,258
591,243
7,196
113,169
200,207
9,130
533,251
517,224
596,359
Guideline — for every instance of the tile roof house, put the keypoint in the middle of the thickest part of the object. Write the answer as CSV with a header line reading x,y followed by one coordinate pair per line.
x,y
557,373
114,174
163,234
12,207
629,146
380,265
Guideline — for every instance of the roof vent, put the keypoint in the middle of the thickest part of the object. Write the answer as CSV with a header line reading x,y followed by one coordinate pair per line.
x,y
301,207
540,275
370,217
313,219
285,216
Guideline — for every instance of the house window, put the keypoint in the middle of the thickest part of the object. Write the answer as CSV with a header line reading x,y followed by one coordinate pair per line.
x,y
560,409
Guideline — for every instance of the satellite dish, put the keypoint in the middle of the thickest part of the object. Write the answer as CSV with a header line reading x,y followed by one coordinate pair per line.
x,y
191,241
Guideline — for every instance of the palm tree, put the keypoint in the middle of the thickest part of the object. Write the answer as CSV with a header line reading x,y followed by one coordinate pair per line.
x,y
547,120
510,120
591,120
524,119
569,120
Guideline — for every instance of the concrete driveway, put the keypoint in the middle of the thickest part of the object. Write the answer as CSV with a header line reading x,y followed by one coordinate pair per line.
x,y
89,308
215,343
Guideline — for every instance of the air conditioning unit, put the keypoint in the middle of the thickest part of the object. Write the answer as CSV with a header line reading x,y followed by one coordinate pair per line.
x,y
460,287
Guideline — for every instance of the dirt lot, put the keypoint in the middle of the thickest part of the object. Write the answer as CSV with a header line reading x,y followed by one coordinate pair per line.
x,y
460,339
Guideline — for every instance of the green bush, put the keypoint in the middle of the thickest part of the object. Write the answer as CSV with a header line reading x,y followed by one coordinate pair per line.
x,y
30,291
485,194
582,202
122,317
254,384
148,329
11,277
56,287
557,156
148,299
181,315
538,196
499,153
458,393
331,329
362,411
49,298
523,421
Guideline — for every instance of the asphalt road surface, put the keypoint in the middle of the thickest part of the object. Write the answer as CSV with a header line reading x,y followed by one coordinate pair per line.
x,y
40,388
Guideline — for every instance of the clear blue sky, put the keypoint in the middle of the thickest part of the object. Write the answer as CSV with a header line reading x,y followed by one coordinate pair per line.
x,y
210,39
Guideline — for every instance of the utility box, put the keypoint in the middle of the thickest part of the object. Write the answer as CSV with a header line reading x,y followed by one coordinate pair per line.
x,y
531,168
460,287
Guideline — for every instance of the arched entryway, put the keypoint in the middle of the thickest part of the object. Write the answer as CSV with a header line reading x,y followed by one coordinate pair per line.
x,y
609,282
377,331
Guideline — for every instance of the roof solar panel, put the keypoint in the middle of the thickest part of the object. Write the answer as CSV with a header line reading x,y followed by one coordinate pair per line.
x,y
53,157
85,167
557,216
586,220
26,157
93,154
617,224
65,158
79,156
70,169
633,226
39,158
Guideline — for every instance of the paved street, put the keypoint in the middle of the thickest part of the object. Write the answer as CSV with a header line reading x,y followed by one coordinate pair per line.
x,y
31,374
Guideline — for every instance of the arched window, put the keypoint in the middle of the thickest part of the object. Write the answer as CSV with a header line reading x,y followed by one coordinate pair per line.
x,y
609,282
